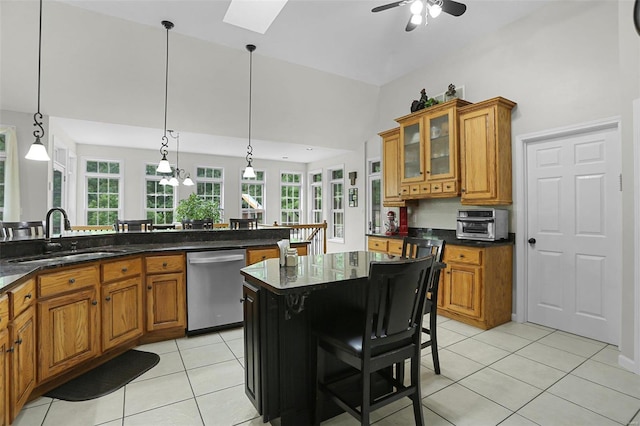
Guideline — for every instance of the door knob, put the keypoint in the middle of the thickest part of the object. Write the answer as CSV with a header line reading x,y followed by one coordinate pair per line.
x,y
532,240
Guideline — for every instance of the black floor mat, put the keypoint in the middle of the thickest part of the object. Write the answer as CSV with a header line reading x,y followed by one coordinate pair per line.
x,y
107,378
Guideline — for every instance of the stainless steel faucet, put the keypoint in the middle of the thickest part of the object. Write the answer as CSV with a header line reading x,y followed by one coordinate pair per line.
x,y
49,246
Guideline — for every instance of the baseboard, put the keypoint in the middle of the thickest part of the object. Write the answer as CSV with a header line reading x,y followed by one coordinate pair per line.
x,y
628,364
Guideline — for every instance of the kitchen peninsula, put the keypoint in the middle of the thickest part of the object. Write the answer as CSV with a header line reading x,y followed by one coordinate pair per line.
x,y
280,306
116,290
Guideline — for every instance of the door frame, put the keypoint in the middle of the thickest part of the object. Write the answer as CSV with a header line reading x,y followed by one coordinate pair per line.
x,y
520,171
635,365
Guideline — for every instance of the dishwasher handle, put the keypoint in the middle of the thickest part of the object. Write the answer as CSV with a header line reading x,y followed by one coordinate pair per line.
x,y
216,259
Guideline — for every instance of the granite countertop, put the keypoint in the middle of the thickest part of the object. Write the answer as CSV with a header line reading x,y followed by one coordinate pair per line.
x,y
312,272
449,236
23,258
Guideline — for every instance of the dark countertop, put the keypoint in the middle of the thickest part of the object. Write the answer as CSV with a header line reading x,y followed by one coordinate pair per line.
x,y
448,235
23,257
312,272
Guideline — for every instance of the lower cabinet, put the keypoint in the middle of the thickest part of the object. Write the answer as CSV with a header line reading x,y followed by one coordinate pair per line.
x,y
67,301
122,307
252,370
255,255
477,285
4,361
166,292
22,349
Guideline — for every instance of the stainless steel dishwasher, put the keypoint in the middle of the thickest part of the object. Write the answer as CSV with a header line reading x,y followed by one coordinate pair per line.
x,y
214,289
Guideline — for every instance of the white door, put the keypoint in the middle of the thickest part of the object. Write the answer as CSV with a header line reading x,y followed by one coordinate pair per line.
x,y
574,267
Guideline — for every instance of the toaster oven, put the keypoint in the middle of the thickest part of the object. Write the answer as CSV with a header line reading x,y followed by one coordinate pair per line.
x,y
483,224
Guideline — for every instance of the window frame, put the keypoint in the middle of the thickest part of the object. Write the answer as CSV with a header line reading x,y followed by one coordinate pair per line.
x,y
213,181
254,181
156,178
371,177
311,186
299,186
331,183
88,175
3,161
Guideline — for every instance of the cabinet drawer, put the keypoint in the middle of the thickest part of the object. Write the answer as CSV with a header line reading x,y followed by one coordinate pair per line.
x,y
21,297
4,311
436,188
123,268
378,244
162,264
258,255
425,188
71,279
395,247
449,187
414,189
405,190
461,254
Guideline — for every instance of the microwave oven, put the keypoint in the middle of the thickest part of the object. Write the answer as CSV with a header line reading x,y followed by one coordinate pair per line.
x,y
483,224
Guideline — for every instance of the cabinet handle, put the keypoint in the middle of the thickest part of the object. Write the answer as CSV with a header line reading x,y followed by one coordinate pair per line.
x,y
436,187
18,342
28,296
448,186
461,256
11,349
149,287
165,264
72,280
124,269
462,190
94,303
108,298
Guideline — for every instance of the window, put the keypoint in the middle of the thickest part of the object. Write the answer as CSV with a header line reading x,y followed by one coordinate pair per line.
x,y
3,156
374,207
336,185
209,185
290,198
315,191
160,199
103,194
252,196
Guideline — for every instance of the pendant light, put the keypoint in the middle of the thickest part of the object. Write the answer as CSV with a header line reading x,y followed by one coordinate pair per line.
x,y
248,171
164,166
37,151
178,173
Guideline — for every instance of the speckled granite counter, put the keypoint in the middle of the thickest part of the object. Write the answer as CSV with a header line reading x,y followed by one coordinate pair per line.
x,y
448,235
15,254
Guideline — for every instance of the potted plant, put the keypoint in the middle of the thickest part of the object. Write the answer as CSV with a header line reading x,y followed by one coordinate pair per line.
x,y
197,208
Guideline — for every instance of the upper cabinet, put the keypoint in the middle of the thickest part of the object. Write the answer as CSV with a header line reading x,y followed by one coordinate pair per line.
x,y
391,168
429,165
485,146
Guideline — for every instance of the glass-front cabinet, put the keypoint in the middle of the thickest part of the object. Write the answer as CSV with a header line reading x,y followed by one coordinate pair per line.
x,y
429,152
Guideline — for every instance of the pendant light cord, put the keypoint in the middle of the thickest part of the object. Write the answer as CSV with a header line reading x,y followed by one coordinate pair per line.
x,y
165,141
37,117
250,48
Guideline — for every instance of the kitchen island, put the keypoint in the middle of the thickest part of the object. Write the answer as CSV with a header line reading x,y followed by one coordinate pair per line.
x,y
281,304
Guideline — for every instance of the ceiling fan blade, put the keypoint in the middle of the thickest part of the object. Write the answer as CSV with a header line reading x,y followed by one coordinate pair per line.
x,y
453,7
390,5
410,26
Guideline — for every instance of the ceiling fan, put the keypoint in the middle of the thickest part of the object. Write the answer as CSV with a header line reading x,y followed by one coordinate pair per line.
x,y
421,9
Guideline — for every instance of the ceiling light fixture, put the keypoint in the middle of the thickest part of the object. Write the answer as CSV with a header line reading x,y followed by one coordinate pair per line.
x,y
37,151
435,8
248,171
164,166
178,173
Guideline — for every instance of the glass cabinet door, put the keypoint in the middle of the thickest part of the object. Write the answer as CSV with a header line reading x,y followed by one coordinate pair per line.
x,y
412,152
440,155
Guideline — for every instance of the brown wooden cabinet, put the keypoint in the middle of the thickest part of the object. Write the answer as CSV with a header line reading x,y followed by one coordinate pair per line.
x,y
166,292
22,341
429,152
379,244
255,255
477,285
4,360
485,145
68,300
122,305
391,168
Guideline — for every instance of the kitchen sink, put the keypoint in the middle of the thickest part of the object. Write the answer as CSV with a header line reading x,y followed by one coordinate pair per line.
x,y
65,256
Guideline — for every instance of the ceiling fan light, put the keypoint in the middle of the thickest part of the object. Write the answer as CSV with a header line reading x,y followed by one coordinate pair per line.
x,y
435,10
416,7
416,19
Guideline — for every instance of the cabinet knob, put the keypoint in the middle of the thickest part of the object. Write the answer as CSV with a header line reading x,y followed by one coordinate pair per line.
x,y
11,349
462,190
436,187
94,303
428,172
28,296
108,298
72,280
18,342
461,256
165,264
149,287
124,269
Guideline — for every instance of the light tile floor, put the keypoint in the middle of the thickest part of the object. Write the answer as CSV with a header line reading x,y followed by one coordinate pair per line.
x,y
514,374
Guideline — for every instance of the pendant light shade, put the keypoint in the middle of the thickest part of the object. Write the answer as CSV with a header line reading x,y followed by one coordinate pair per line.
x,y
37,151
164,166
249,173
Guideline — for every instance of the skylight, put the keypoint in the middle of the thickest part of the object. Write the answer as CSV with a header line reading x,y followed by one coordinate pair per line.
x,y
253,15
